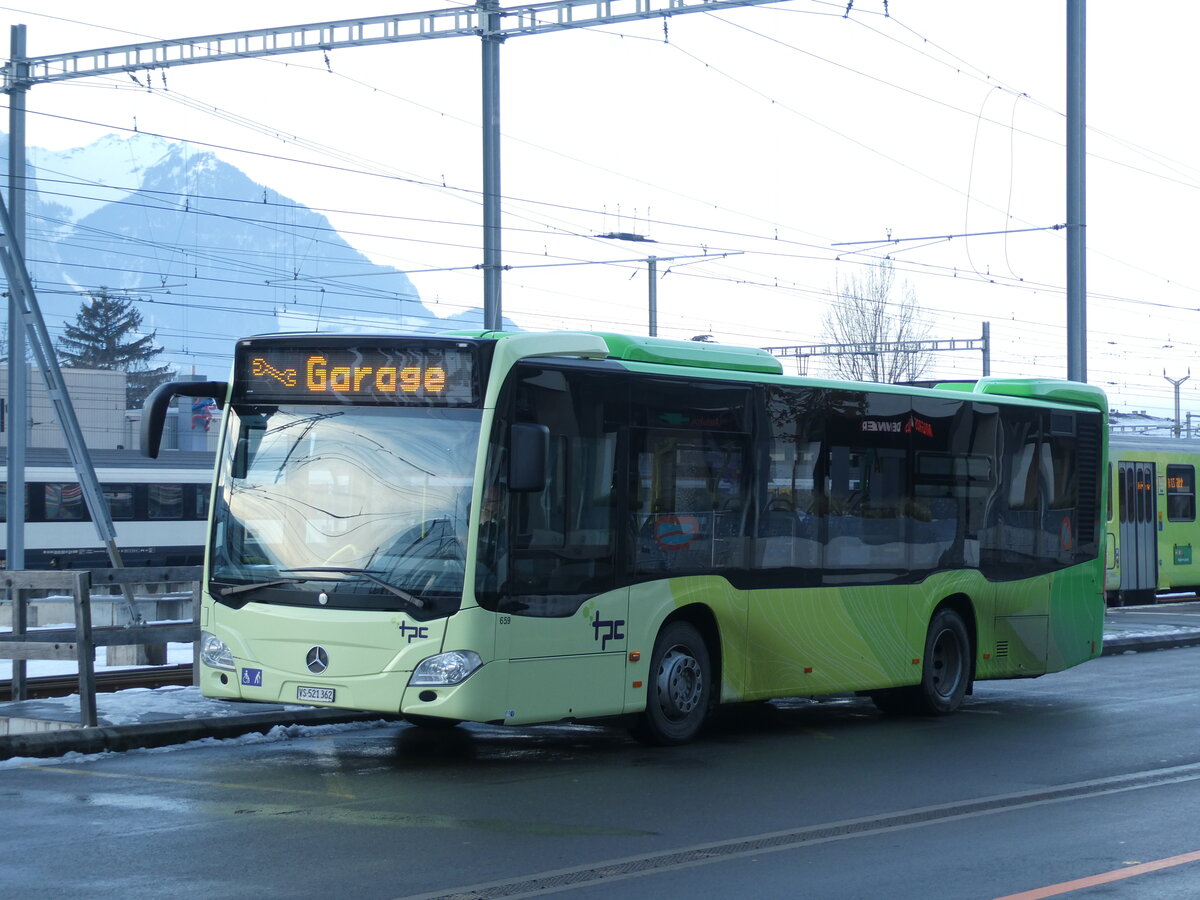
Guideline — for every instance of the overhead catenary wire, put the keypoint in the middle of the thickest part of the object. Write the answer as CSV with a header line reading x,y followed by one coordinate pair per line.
x,y
767,277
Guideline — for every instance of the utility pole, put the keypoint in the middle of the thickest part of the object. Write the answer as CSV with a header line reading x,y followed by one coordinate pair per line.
x,y
1076,194
652,271
652,268
18,374
492,39
1177,383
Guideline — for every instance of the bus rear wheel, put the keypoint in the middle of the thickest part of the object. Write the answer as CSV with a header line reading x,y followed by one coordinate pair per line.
x,y
679,688
945,672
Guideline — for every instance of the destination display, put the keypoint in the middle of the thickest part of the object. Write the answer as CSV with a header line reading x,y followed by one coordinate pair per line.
x,y
400,374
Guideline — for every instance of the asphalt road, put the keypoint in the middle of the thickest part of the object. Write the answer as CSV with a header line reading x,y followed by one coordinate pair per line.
x,y
1087,774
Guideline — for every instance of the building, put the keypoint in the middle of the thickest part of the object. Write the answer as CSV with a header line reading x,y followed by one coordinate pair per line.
x,y
98,396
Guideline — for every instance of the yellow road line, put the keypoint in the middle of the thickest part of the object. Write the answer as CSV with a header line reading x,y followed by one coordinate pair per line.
x,y
1079,884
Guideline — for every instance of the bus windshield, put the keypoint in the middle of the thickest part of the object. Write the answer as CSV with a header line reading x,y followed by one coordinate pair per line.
x,y
365,507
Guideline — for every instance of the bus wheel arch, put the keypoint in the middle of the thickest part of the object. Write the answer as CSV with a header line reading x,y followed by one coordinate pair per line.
x,y
947,664
681,686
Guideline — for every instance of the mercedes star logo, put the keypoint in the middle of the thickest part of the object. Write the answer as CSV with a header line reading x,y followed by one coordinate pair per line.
x,y
317,660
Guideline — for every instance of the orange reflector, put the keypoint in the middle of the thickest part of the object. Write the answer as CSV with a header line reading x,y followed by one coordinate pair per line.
x,y
916,662
635,655
808,670
987,656
637,684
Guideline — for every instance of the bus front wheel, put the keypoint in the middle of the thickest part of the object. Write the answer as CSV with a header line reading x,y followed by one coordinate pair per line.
x,y
679,687
945,672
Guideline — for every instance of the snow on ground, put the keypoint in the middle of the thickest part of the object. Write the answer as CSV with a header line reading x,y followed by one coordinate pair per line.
x,y
277,734
135,705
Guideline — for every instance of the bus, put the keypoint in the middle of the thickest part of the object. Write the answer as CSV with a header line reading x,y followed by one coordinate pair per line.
x,y
524,528
1152,529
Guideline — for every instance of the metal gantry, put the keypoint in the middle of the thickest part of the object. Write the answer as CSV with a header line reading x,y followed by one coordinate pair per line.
x,y
802,352
486,20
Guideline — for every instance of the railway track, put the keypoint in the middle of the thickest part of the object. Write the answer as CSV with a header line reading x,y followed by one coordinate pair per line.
x,y
106,681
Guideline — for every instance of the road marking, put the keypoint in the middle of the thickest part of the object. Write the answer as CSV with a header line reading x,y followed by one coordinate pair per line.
x,y
216,784
1067,887
605,872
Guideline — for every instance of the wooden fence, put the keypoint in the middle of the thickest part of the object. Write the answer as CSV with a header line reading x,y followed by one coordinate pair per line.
x,y
80,642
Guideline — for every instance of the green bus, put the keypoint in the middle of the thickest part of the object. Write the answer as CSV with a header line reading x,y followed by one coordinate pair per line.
x,y
522,528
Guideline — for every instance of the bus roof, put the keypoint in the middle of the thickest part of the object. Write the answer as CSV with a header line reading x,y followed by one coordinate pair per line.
x,y
1050,390
733,358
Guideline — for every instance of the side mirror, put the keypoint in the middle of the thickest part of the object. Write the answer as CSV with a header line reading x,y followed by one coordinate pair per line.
x,y
528,450
154,410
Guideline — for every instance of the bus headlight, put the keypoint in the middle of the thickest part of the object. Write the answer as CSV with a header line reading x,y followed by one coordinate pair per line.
x,y
214,652
445,669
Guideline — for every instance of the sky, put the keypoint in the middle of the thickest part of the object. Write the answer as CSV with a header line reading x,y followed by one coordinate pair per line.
x,y
770,152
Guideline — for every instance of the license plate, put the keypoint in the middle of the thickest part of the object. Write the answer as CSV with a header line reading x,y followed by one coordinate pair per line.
x,y
319,695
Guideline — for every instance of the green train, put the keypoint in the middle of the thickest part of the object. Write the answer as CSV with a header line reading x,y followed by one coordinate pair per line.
x,y
1153,545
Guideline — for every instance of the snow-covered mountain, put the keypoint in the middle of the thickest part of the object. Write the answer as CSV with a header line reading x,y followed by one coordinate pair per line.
x,y
208,254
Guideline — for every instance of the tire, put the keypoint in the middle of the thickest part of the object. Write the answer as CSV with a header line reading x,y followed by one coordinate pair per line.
x,y
679,687
945,672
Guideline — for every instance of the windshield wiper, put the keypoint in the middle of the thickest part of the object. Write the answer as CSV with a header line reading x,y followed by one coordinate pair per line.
x,y
369,575
242,588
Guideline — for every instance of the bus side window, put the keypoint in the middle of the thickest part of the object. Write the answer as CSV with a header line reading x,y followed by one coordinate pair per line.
x,y
690,504
693,511
1022,482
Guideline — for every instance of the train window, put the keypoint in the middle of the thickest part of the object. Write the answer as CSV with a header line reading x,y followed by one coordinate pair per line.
x,y
1181,493
3,501
1109,514
200,502
120,500
165,501
64,502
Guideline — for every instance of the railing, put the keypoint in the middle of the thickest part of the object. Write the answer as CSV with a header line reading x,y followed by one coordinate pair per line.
x,y
80,642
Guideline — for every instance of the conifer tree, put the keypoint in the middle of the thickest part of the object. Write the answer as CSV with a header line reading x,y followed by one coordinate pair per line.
x,y
105,335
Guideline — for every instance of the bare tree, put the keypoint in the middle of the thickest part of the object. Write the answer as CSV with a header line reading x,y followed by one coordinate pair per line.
x,y
871,325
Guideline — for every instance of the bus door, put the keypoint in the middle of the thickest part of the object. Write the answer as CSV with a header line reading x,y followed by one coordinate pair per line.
x,y
1139,535
562,622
